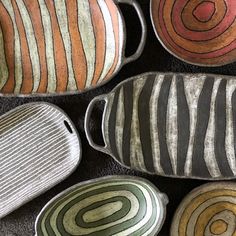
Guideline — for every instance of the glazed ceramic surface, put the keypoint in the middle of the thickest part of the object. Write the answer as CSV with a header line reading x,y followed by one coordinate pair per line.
x,y
209,210
199,32
178,125
113,205
49,47
39,147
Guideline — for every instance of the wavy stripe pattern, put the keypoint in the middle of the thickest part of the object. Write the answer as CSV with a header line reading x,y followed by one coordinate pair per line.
x,y
37,151
209,210
63,46
200,32
175,125
107,206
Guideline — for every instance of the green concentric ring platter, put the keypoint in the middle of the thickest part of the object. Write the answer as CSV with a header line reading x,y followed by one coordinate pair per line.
x,y
112,205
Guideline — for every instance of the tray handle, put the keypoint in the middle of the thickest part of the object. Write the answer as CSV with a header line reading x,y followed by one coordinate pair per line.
x,y
86,124
141,17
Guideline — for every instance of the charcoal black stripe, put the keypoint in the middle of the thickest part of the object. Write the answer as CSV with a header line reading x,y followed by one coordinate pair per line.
x,y
128,109
233,101
183,125
199,167
161,123
112,125
144,122
220,130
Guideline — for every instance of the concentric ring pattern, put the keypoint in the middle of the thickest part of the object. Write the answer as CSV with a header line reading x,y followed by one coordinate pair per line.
x,y
197,31
107,206
209,210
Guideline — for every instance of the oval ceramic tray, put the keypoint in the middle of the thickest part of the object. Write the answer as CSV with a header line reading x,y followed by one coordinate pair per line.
x,y
209,210
178,125
113,205
62,47
39,147
198,32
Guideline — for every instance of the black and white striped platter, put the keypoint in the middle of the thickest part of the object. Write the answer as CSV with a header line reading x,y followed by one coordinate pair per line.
x,y
178,125
39,147
112,205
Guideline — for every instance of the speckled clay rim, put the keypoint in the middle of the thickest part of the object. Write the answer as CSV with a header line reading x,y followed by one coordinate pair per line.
x,y
105,97
79,154
175,55
161,197
191,194
124,60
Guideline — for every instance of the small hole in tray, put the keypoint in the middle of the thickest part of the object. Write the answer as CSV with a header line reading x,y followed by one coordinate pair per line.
x,y
68,127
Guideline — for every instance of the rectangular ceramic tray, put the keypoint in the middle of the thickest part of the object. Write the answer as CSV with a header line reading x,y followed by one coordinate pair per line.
x,y
179,125
112,205
39,147
62,47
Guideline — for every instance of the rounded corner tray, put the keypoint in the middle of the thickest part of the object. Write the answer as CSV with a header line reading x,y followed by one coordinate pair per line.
x,y
39,147
197,32
208,210
62,47
111,205
176,125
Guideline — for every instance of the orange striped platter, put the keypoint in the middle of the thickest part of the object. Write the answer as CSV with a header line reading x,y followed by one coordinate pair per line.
x,y
63,46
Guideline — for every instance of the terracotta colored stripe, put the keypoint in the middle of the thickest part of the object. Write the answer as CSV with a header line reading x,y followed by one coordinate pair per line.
x,y
115,22
8,35
27,83
59,50
78,55
36,19
100,36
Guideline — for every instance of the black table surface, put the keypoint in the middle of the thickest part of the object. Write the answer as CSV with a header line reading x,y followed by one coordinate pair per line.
x,y
95,164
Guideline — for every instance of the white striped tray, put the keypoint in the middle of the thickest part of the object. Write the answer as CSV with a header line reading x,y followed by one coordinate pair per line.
x,y
39,147
112,205
62,47
178,125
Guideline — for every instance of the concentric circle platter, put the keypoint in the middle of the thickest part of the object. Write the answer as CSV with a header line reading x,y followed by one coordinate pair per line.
x,y
196,31
113,205
209,210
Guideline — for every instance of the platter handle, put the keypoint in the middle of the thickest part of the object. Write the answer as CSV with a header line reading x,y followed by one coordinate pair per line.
x,y
141,17
87,121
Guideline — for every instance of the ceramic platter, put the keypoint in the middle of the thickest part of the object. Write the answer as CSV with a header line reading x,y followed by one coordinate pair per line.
x,y
209,210
198,32
39,148
61,47
178,125
113,205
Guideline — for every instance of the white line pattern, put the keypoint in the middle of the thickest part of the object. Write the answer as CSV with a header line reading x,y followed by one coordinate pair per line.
x,y
44,154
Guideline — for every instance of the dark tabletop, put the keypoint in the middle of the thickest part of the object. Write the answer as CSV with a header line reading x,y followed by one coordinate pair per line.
x,y
95,164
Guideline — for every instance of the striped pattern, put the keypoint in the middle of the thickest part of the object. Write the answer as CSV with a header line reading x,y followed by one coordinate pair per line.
x,y
174,125
199,32
112,205
58,46
37,152
209,210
